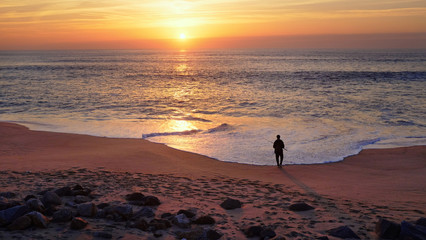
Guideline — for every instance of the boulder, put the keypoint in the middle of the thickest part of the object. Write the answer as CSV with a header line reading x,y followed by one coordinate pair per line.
x,y
421,222
412,232
205,220
151,201
387,229
28,197
79,190
267,233
51,198
195,234
343,232
20,223
7,194
5,203
82,199
299,207
212,234
159,224
9,215
230,204
181,220
187,213
146,212
135,197
253,231
87,209
64,191
105,235
103,205
63,215
125,212
78,223
35,204
141,224
38,219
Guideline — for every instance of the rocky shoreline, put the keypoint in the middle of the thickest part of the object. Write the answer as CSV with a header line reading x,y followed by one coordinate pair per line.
x,y
84,204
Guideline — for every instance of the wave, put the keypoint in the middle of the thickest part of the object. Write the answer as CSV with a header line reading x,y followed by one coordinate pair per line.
x,y
188,132
221,128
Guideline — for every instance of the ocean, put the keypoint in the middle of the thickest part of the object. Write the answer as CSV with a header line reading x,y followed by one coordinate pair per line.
x,y
225,104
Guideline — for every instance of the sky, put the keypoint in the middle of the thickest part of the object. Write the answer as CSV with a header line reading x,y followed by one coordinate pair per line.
x,y
81,24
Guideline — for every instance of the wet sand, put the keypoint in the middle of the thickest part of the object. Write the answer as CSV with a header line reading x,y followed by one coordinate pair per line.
x,y
386,183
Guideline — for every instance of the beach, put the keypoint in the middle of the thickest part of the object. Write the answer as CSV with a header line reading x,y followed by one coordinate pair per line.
x,y
356,192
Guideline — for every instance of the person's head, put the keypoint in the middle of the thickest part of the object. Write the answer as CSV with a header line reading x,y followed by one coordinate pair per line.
x,y
278,136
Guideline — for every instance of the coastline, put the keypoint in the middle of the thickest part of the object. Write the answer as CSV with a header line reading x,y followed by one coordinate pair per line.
x,y
389,181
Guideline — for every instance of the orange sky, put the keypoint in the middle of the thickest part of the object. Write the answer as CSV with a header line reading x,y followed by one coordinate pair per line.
x,y
53,24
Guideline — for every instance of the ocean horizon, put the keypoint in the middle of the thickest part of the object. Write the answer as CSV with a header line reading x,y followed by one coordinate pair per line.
x,y
326,104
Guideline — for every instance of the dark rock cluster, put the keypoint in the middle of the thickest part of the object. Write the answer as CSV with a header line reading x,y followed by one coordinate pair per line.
x,y
74,205
386,229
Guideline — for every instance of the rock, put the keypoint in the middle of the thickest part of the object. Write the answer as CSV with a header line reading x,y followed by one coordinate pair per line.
x,y
181,220
103,205
51,198
78,223
105,235
322,238
82,199
299,207
192,235
135,197
28,197
421,222
343,232
160,224
411,232
141,224
79,190
35,204
147,201
167,215
205,220
151,201
20,223
38,219
230,204
123,211
146,212
187,213
9,215
64,191
7,194
212,235
87,209
71,204
157,234
387,229
63,215
5,203
267,233
253,231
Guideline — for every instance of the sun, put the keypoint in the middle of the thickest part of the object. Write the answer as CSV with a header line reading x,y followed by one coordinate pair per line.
x,y
182,36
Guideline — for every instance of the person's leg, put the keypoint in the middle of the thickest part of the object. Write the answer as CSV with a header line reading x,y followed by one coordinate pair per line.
x,y
281,159
277,158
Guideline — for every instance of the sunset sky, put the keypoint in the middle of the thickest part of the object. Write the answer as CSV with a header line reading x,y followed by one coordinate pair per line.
x,y
54,24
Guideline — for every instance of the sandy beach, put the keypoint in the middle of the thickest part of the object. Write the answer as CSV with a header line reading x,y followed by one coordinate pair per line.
x,y
356,192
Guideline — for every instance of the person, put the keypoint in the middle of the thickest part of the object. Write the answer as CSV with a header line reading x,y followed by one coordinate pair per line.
x,y
279,154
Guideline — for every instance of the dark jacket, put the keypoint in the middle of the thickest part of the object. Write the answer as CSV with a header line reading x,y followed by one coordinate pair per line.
x,y
278,146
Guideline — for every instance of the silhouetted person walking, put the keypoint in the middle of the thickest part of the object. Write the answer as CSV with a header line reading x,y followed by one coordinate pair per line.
x,y
279,154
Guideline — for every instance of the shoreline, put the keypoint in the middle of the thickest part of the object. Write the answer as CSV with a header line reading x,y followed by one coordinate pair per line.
x,y
375,183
